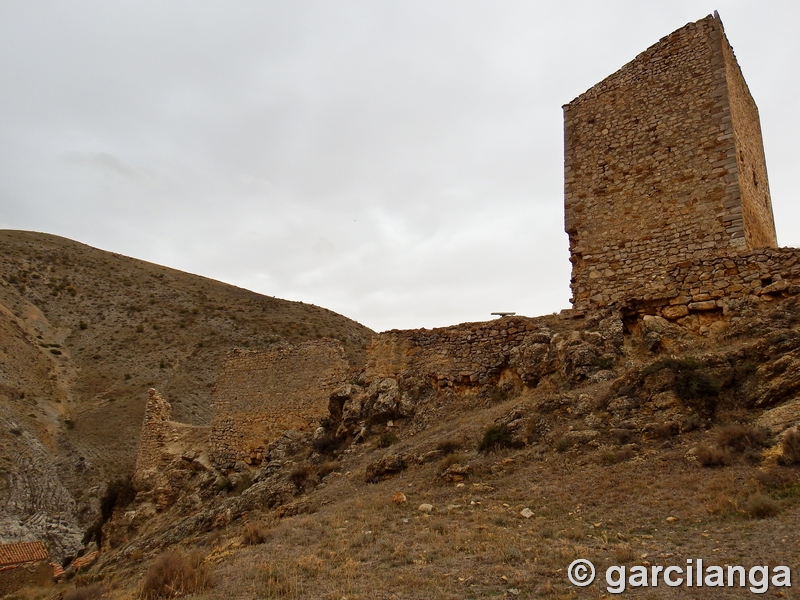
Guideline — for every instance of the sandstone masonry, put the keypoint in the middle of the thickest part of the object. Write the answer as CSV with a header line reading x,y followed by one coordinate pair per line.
x,y
260,394
664,169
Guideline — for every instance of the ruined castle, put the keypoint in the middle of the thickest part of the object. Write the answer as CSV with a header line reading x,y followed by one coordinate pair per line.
x,y
668,212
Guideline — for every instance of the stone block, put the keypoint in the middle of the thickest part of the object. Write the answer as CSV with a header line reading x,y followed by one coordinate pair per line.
x,y
675,312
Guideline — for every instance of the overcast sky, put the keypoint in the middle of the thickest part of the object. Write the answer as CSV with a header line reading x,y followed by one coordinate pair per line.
x,y
399,162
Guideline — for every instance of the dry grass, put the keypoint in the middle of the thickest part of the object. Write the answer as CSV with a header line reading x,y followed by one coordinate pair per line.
x,y
709,455
606,505
174,574
449,446
760,506
301,474
93,591
255,533
740,438
790,448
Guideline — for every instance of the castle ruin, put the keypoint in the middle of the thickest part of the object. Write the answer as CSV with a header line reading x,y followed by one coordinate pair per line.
x,y
668,212
664,168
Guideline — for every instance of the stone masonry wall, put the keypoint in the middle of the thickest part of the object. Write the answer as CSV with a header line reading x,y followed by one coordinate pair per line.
x,y
663,164
516,351
710,283
751,165
260,394
466,354
161,440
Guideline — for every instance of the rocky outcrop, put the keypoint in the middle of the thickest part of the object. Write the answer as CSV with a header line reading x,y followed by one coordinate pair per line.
x,y
34,504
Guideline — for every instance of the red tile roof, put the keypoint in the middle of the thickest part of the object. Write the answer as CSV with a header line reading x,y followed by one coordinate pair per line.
x,y
22,552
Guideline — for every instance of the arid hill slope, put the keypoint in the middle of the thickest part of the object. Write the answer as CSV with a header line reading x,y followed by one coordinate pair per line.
x,y
639,442
84,333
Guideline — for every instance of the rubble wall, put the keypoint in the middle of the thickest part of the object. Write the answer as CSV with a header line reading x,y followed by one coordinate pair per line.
x,y
259,394
663,164
711,282
162,439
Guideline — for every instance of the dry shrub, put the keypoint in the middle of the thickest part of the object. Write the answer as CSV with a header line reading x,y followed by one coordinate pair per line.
x,y
760,506
790,448
174,574
301,474
740,438
609,456
90,592
495,438
255,533
447,462
713,456
663,431
448,446
386,439
327,444
624,554
621,436
328,467
721,504
776,478
563,443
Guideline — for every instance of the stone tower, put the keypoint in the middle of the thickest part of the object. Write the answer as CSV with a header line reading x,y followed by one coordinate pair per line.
x,y
664,164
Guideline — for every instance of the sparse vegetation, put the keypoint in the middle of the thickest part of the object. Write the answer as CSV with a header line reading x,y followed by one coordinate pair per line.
x,y
386,439
447,462
495,438
691,382
740,438
94,591
323,536
790,448
448,446
562,443
301,474
174,574
709,455
255,533
760,506
327,467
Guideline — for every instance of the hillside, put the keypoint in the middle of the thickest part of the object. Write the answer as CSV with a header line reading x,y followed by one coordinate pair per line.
x,y
84,334
629,441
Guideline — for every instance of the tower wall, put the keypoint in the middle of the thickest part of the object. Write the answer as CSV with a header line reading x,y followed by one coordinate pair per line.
x,y
664,164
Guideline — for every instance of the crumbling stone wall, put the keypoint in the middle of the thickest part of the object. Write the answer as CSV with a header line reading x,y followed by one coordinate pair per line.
x,y
664,164
469,354
259,394
161,440
511,350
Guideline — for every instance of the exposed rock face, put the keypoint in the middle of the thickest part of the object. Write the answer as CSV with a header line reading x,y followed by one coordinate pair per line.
x,y
34,504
